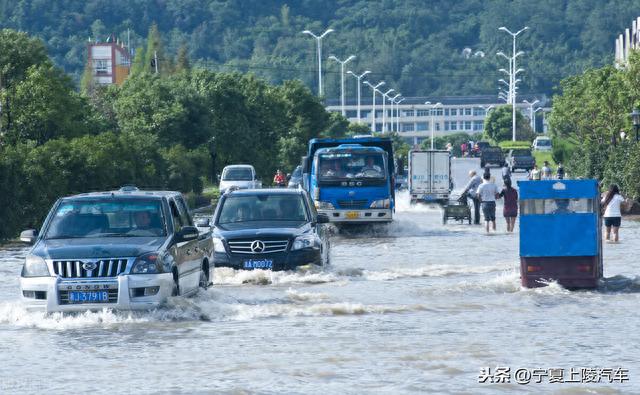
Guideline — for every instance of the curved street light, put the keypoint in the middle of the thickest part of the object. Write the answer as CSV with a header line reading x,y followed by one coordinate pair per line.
x,y
319,48
342,63
385,96
358,77
374,89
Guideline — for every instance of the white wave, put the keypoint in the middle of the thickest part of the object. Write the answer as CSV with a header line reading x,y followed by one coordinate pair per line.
x,y
249,312
229,276
429,271
299,296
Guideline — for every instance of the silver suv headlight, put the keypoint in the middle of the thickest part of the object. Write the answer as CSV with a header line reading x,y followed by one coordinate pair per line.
x,y
306,241
35,266
320,205
149,263
218,245
384,203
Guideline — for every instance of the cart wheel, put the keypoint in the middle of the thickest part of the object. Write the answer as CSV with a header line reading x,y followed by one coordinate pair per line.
x,y
469,219
444,218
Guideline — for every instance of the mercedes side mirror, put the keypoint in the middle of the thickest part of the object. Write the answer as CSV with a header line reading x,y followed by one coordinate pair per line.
x,y
188,233
322,218
29,236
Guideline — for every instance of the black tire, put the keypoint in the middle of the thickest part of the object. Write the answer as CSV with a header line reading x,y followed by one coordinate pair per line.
x,y
469,218
444,217
204,275
482,164
176,284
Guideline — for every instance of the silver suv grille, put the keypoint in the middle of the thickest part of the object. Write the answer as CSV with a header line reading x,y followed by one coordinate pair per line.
x,y
98,268
258,246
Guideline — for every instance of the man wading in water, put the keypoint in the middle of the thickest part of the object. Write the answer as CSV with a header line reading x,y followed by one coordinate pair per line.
x,y
487,193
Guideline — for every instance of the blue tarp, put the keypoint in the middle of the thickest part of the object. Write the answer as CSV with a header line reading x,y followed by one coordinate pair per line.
x,y
557,235
558,189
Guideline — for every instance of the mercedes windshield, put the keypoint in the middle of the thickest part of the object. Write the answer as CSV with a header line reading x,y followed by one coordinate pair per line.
x,y
271,209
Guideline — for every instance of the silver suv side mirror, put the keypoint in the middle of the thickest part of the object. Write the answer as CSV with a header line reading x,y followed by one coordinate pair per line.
x,y
29,236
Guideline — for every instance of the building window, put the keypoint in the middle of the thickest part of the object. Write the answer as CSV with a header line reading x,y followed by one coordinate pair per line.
x,y
467,111
446,126
422,126
352,114
446,112
365,113
422,113
407,127
437,125
478,112
407,113
454,112
467,125
453,125
478,125
438,112
102,66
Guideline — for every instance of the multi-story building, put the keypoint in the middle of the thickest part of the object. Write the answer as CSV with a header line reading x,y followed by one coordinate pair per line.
x,y
110,62
413,119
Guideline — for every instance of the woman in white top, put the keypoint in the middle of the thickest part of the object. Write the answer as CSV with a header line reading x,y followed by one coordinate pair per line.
x,y
612,214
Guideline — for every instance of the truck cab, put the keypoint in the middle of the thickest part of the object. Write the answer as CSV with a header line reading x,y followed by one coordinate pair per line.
x,y
351,180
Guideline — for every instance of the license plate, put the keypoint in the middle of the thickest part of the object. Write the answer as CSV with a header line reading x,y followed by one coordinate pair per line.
x,y
429,198
88,297
258,264
352,215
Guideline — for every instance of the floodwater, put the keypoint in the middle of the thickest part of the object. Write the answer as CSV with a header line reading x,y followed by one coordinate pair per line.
x,y
414,308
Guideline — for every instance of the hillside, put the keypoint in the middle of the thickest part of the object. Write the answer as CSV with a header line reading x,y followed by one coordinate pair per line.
x,y
418,47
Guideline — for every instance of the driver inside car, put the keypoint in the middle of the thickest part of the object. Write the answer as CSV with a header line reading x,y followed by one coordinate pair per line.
x,y
371,169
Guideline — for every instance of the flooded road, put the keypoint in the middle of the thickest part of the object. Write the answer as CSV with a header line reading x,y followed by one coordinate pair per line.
x,y
415,308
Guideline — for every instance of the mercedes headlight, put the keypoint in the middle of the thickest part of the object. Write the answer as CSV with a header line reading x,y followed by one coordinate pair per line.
x,y
35,266
320,205
305,241
218,245
150,263
384,203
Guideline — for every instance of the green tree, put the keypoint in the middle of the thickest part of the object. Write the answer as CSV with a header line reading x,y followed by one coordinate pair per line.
x,y
182,59
156,53
498,125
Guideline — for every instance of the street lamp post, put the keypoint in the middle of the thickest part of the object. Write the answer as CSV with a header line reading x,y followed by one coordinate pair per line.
x,y
342,63
319,47
531,113
385,96
398,114
393,101
358,77
513,76
635,118
534,118
431,111
374,89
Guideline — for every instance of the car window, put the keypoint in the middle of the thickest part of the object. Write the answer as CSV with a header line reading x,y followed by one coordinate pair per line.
x,y
175,215
263,207
107,218
184,212
237,174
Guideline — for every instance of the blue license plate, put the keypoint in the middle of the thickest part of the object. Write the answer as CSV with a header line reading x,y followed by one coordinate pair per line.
x,y
88,297
258,264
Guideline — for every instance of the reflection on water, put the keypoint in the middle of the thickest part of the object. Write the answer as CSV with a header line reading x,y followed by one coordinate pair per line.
x,y
406,308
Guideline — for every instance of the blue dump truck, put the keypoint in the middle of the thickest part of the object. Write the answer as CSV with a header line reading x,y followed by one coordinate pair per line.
x,y
351,180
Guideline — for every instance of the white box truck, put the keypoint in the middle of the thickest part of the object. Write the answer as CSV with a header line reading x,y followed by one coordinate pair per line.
x,y
429,176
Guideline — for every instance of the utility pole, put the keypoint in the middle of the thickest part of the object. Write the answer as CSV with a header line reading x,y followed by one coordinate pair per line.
x,y
319,48
155,60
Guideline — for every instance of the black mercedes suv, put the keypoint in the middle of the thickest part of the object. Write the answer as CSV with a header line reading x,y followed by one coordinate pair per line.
x,y
273,229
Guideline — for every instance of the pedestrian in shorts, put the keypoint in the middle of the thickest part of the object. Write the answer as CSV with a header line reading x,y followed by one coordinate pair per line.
x,y
487,193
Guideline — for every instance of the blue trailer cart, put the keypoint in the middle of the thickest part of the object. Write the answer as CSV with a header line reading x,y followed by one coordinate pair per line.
x,y
560,233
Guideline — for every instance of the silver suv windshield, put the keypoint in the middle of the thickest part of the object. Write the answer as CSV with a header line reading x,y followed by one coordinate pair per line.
x,y
84,218
263,208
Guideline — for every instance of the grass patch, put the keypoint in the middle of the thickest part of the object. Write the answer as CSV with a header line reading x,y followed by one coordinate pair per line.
x,y
542,156
209,196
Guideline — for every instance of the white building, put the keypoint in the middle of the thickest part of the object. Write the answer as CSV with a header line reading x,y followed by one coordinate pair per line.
x,y
456,114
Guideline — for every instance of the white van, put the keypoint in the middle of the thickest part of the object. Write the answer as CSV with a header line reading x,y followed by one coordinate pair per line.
x,y
239,176
542,143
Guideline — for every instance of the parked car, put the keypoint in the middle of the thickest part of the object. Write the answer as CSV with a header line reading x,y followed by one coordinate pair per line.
x,y
295,180
273,229
239,176
124,249
521,159
542,143
491,156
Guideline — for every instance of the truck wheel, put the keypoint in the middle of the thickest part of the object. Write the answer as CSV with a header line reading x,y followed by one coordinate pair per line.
x,y
204,275
469,218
